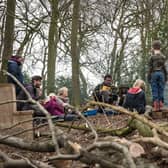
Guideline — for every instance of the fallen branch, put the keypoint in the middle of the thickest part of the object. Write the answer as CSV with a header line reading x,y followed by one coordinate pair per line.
x,y
132,114
116,146
24,162
154,140
115,132
160,152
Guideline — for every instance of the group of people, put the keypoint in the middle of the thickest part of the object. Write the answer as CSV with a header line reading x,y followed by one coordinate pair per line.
x,y
56,105
134,98
131,98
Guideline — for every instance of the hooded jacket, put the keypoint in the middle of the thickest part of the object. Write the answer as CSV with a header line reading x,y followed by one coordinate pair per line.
x,y
54,107
135,100
14,67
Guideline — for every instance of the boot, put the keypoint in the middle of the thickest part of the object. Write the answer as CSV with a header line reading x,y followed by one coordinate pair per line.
x,y
160,105
156,105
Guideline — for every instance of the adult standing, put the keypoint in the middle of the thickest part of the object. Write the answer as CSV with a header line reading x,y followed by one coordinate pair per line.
x,y
14,68
157,75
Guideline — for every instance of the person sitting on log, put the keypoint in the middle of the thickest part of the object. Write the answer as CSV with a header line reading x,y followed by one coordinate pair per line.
x,y
135,97
53,105
34,90
57,105
105,92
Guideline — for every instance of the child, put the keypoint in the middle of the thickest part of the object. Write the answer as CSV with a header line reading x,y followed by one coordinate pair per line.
x,y
53,105
135,97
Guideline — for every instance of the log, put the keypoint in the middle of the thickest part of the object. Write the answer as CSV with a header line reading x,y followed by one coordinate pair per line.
x,y
142,128
114,132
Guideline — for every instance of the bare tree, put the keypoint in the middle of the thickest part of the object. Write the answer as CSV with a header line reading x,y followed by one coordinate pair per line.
x,y
9,35
52,46
74,53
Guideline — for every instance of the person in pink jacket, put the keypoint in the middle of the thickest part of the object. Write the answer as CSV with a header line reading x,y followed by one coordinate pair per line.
x,y
53,105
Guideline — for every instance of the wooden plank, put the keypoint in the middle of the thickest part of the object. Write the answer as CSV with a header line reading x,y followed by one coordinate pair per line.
x,y
7,92
9,116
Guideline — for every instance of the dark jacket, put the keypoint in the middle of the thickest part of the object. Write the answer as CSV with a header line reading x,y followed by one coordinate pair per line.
x,y
14,68
99,91
157,63
135,100
22,96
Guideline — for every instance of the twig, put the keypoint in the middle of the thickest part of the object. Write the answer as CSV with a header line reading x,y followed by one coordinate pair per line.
x,y
24,162
105,115
18,123
89,124
13,101
154,140
27,160
116,146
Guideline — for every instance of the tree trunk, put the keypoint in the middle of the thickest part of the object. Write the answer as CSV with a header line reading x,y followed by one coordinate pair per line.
x,y
74,54
52,47
9,36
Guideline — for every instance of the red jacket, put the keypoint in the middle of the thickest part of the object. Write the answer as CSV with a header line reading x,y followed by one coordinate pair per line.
x,y
54,107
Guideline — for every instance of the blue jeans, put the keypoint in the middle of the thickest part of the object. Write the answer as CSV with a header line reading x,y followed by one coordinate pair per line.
x,y
157,85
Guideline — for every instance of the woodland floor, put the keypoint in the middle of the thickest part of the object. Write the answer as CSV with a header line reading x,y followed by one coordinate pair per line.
x,y
84,138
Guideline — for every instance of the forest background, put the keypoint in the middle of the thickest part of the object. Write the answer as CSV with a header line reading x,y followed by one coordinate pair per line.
x,y
74,43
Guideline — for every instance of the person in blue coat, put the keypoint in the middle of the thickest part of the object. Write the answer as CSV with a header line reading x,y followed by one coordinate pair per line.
x,y
135,98
14,68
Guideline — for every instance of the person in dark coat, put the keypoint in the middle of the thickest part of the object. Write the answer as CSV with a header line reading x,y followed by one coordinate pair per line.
x,y
105,92
122,91
135,97
14,68
34,90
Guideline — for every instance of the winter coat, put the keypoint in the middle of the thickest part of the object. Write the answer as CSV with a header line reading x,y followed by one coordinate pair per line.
x,y
14,67
54,107
157,63
22,96
135,100
110,90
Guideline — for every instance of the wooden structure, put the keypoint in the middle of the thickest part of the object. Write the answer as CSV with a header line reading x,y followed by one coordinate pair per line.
x,y
9,115
163,113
